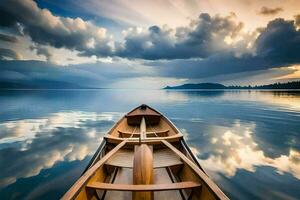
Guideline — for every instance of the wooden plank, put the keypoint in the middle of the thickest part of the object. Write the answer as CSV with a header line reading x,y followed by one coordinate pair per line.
x,y
143,129
153,187
161,158
211,185
79,184
124,176
142,171
165,158
161,176
123,158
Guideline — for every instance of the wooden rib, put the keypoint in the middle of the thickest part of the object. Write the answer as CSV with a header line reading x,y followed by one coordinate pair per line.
x,y
215,189
75,189
154,187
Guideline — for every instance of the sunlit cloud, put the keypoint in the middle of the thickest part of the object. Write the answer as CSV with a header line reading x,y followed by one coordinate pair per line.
x,y
183,40
294,75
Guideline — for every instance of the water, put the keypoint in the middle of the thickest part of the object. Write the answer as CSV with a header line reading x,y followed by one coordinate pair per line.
x,y
248,142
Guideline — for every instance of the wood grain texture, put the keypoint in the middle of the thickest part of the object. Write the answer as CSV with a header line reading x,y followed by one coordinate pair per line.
x,y
159,133
161,176
211,185
141,188
149,140
143,129
161,158
80,183
142,171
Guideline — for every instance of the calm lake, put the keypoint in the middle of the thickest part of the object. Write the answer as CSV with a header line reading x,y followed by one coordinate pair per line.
x,y
247,141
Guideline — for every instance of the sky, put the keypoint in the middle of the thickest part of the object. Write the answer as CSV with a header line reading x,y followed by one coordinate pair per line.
x,y
149,44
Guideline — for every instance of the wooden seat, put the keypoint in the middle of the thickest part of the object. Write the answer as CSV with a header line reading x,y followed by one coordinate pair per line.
x,y
123,158
161,158
126,134
149,187
149,140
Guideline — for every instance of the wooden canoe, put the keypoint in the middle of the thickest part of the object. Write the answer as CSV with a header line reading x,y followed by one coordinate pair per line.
x,y
144,156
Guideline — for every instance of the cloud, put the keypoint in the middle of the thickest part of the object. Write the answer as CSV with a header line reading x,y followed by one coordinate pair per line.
x,y
297,20
8,38
269,51
203,37
208,46
46,29
270,11
39,74
271,45
40,50
9,54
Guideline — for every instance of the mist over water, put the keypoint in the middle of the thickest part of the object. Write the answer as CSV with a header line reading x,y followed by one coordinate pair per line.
x,y
247,141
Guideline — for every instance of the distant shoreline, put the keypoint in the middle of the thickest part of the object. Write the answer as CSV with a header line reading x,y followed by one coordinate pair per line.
x,y
295,85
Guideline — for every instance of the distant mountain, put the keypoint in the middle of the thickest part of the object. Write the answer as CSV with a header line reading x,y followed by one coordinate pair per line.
x,y
42,84
16,74
289,85
198,86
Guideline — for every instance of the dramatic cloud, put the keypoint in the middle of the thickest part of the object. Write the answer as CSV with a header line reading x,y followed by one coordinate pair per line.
x,y
45,28
8,38
9,54
297,20
209,45
39,74
279,42
271,51
204,36
270,11
42,51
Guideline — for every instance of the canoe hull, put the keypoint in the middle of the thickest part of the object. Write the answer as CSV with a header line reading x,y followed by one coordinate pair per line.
x,y
144,160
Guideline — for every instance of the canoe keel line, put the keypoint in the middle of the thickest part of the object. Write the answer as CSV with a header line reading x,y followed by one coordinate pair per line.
x,y
144,156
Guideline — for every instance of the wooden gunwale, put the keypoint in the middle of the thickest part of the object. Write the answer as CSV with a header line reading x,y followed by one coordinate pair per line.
x,y
211,185
76,188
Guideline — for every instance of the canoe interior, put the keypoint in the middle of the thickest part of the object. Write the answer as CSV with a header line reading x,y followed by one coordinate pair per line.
x,y
144,160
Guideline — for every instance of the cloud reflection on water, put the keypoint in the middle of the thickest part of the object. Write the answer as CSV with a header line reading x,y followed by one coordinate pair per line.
x,y
41,143
235,148
41,129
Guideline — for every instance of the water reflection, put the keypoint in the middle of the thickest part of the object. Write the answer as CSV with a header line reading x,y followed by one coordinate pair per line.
x,y
236,149
41,143
248,142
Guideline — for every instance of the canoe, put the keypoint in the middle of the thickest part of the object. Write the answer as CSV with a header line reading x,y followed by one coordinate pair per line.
x,y
144,156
